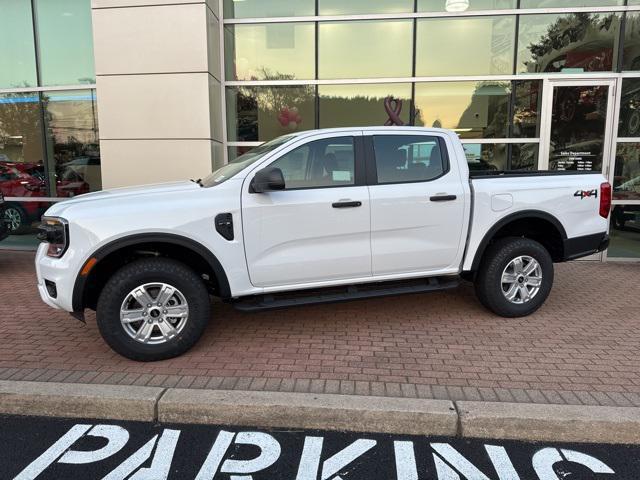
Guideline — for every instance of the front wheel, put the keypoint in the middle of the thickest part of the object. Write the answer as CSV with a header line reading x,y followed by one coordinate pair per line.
x,y
515,277
153,309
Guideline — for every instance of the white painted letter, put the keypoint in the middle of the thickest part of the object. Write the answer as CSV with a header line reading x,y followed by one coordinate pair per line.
x,y
405,461
269,453
310,461
117,437
545,459
219,448
450,464
160,465
41,463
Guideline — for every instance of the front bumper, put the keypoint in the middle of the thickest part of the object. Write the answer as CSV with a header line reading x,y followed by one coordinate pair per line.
x,y
584,246
60,271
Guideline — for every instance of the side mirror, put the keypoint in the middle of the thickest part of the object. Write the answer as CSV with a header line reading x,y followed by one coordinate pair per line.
x,y
267,179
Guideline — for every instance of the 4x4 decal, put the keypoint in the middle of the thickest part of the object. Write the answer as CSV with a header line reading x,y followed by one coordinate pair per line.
x,y
586,194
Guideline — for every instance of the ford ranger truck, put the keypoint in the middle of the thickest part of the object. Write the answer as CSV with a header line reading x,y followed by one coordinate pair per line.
x,y
312,217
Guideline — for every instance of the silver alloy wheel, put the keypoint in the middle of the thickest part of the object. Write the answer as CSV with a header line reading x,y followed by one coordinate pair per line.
x,y
154,313
13,218
521,280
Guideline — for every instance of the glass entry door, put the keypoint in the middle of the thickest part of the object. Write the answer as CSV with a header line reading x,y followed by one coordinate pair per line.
x,y
577,125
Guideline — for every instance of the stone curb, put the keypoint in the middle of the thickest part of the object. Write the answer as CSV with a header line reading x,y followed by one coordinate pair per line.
x,y
310,411
558,423
486,420
79,400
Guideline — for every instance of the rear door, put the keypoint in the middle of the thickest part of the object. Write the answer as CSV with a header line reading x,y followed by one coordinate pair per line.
x,y
418,215
317,229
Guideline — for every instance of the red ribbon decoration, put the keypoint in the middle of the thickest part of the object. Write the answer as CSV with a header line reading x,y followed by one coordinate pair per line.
x,y
393,107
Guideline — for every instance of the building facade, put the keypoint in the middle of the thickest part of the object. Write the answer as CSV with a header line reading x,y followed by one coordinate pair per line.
x,y
113,93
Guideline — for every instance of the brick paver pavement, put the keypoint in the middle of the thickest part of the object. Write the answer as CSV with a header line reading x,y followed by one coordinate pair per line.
x,y
583,347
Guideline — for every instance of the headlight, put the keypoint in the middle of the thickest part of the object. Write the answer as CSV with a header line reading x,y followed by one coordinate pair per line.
x,y
54,231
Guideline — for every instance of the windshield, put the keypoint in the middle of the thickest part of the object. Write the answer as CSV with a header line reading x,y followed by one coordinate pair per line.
x,y
233,167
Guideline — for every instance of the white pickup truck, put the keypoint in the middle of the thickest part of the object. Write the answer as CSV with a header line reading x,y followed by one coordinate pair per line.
x,y
318,216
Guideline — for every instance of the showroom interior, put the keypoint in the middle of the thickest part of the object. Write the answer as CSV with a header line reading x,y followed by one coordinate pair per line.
x,y
526,84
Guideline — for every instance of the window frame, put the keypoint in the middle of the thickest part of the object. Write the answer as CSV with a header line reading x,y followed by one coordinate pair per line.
x,y
372,167
359,164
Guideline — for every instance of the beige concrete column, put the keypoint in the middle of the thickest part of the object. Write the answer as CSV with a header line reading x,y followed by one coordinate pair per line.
x,y
158,89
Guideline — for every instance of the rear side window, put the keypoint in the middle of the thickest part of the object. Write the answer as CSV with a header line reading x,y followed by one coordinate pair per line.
x,y
408,158
328,162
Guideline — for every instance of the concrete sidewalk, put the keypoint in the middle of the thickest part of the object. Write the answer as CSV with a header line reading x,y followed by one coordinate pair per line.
x,y
438,418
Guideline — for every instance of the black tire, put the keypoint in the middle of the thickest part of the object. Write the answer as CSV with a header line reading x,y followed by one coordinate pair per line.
x,y
148,271
17,219
488,282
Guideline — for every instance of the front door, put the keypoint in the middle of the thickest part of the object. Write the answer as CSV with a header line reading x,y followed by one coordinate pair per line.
x,y
318,228
577,127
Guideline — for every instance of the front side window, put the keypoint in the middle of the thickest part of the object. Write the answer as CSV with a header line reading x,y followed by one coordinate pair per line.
x,y
408,158
323,163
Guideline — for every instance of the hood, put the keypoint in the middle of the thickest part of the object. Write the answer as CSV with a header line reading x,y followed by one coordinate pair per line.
x,y
138,192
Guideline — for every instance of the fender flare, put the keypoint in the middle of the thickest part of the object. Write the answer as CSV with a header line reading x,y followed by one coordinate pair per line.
x,y
507,220
128,241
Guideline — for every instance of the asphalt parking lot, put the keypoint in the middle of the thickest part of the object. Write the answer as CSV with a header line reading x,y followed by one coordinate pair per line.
x,y
583,347
49,448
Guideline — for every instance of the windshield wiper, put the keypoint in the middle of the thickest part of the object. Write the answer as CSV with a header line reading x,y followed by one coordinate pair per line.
x,y
198,181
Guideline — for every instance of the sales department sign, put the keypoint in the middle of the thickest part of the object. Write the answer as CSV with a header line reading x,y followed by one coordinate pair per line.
x,y
55,449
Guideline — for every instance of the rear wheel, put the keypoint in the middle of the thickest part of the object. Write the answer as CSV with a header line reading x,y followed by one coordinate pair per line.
x,y
153,309
515,277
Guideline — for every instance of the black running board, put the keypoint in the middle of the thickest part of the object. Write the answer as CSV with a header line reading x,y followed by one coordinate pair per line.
x,y
257,303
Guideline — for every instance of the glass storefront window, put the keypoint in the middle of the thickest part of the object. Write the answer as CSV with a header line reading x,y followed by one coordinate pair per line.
x,y
465,46
72,142
631,52
625,232
462,5
364,105
22,171
23,218
17,51
263,113
497,157
569,3
274,51
526,109
568,43
20,137
355,7
365,49
268,8
486,157
630,108
472,109
66,42
626,180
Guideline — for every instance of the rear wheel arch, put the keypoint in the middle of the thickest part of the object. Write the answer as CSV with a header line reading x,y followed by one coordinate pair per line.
x,y
115,255
533,224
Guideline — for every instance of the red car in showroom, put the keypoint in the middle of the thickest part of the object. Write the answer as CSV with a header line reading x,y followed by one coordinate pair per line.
x,y
22,179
